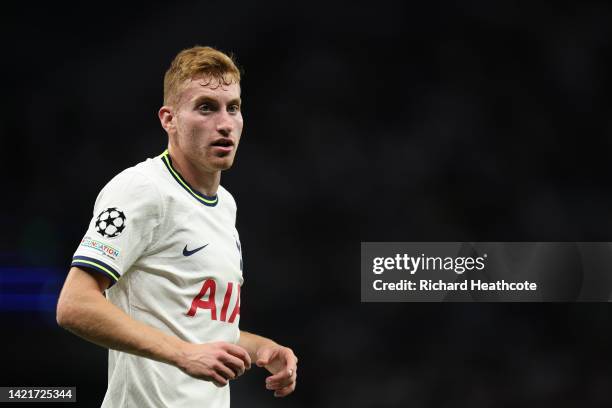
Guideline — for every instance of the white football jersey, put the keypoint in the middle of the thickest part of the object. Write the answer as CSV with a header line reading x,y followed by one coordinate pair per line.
x,y
174,259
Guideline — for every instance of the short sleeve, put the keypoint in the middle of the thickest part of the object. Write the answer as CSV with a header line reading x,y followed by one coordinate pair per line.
x,y
126,215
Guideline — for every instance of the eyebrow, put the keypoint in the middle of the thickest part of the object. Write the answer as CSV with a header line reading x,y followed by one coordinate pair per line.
x,y
205,98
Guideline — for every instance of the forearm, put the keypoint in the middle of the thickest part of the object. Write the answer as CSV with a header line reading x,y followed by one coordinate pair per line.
x,y
252,342
91,316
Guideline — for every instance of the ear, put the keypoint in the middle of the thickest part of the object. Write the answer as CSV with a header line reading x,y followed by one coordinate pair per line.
x,y
166,117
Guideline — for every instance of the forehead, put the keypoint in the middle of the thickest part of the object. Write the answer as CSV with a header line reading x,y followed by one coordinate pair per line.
x,y
195,88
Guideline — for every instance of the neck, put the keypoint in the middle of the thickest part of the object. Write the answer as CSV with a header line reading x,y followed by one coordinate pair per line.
x,y
205,181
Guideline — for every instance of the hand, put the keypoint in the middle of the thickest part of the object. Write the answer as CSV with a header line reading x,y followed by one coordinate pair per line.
x,y
216,362
282,363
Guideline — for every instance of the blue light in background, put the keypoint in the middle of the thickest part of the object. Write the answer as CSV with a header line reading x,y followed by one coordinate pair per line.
x,y
30,288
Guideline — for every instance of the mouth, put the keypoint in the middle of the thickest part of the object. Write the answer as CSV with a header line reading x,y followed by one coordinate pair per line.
x,y
223,145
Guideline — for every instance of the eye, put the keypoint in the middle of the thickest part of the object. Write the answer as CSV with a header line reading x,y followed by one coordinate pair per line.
x,y
233,108
205,107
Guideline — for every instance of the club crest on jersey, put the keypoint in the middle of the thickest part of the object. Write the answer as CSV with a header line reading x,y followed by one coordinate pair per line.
x,y
111,222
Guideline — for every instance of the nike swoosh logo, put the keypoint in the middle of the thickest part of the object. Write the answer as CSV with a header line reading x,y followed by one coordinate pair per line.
x,y
187,252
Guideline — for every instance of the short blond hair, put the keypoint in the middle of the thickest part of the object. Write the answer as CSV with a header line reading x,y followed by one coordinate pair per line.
x,y
196,62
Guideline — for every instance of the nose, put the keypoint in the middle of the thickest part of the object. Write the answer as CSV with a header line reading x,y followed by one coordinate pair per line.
x,y
225,124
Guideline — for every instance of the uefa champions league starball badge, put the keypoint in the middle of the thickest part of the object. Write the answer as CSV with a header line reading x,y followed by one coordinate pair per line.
x,y
110,223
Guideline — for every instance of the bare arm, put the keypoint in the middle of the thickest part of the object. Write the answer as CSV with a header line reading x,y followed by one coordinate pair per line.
x,y
83,310
252,342
278,360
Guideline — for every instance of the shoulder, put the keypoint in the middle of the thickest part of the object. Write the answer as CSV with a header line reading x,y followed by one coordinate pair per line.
x,y
226,197
141,176
134,185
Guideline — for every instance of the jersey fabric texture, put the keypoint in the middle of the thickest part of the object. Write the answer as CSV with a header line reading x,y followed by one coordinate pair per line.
x,y
174,259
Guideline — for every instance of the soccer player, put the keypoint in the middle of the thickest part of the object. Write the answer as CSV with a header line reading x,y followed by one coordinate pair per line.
x,y
162,245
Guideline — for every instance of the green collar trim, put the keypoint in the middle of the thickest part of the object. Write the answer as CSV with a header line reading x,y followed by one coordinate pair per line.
x,y
204,199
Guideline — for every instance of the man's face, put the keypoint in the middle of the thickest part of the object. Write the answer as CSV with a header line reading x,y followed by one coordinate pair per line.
x,y
207,123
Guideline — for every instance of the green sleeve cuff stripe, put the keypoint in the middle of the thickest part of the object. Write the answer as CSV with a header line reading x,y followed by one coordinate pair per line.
x,y
76,261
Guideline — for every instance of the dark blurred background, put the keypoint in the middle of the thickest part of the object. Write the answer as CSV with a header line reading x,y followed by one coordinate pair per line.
x,y
378,121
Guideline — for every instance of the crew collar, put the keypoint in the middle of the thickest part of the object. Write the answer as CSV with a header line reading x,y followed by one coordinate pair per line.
x,y
210,201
